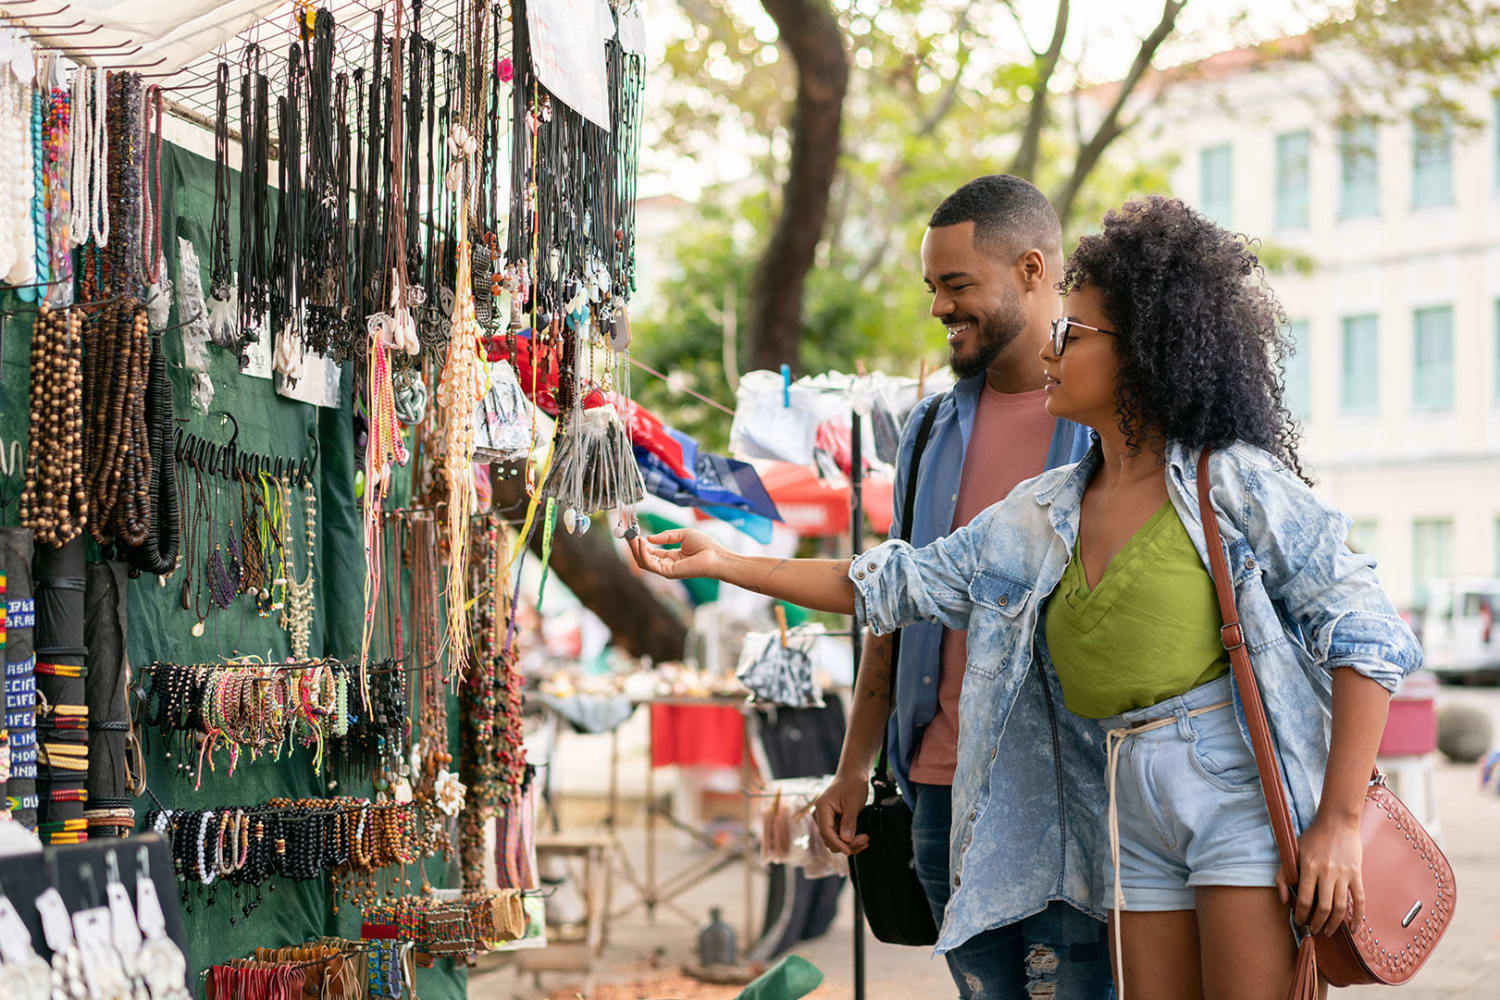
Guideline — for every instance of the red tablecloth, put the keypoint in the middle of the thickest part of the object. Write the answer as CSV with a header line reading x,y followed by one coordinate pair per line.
x,y
697,735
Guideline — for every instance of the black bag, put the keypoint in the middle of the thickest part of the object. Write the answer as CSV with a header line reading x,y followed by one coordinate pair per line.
x,y
885,872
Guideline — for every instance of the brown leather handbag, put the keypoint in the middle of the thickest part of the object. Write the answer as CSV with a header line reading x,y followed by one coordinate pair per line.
x,y
1410,891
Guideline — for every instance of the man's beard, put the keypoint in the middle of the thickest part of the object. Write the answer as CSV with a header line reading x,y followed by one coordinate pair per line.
x,y
989,339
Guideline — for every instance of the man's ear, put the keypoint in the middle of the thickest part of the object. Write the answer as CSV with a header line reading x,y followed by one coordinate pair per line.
x,y
1034,272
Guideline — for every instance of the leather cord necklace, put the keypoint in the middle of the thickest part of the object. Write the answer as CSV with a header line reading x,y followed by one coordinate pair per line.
x,y
415,49
157,552
221,266
372,257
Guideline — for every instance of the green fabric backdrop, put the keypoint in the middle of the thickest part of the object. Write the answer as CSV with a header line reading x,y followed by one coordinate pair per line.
x,y
159,629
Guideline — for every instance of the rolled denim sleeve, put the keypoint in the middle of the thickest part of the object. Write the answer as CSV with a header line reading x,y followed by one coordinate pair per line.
x,y
1331,592
896,585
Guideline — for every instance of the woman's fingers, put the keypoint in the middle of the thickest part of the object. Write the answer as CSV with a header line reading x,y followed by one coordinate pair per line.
x,y
1282,890
1357,900
649,559
671,537
1307,891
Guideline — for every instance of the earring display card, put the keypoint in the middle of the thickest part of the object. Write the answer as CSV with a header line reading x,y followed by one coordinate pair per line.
x,y
81,875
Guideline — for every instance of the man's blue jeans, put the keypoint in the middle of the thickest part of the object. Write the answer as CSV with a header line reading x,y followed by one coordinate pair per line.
x,y
1057,954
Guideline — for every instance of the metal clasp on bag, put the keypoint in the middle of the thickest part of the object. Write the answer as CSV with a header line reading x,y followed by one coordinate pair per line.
x,y
1379,779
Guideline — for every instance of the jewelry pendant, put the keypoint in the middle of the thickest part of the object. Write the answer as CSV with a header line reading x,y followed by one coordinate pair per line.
x,y
32,978
198,629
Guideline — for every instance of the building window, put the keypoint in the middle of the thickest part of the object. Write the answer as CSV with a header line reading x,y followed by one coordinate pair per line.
x,y
1496,358
1216,184
1497,548
1359,385
1298,395
1364,536
1292,180
1431,555
1359,170
1432,359
1432,160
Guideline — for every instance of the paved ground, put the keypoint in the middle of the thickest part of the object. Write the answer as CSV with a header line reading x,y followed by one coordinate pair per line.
x,y
643,960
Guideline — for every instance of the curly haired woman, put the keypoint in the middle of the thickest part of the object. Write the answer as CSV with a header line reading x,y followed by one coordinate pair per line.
x,y
1097,575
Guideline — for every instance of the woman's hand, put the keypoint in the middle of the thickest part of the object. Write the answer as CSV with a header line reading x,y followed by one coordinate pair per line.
x,y
699,556
1330,887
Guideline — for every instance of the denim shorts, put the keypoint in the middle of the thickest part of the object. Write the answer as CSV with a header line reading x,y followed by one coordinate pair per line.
x,y
1189,803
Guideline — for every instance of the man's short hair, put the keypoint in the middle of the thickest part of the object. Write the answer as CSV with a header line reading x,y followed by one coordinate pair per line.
x,y
1009,215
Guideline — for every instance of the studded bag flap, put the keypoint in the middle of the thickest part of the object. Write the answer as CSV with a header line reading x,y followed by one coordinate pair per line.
x,y
1410,891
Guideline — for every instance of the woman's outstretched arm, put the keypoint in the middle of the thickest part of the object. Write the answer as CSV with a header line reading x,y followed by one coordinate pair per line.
x,y
820,584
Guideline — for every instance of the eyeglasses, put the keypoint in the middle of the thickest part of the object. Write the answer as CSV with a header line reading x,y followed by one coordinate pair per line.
x,y
1061,328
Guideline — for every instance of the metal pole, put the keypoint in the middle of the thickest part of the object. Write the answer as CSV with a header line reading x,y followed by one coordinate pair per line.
x,y
857,541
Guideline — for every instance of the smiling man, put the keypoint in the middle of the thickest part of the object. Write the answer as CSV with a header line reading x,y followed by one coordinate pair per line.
x,y
991,258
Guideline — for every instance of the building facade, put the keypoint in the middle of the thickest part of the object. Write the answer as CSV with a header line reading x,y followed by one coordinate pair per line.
x,y
1397,322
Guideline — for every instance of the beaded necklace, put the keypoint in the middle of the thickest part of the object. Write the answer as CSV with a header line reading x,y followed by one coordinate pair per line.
x,y
57,178
158,552
40,243
54,502
151,187
297,616
117,440
460,385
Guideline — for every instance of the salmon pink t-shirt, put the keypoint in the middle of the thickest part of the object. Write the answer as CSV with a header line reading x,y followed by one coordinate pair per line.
x,y
1012,433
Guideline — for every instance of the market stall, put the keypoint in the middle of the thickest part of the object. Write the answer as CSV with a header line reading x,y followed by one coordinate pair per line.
x,y
272,315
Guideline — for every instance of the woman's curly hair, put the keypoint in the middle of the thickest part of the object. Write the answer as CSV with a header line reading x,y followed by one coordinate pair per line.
x,y
1201,342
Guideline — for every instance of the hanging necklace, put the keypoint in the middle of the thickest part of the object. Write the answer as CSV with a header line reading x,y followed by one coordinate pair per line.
x,y
221,266
297,616
151,187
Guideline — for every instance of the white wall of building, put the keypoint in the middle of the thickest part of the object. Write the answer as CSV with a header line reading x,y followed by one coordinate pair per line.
x,y
1402,463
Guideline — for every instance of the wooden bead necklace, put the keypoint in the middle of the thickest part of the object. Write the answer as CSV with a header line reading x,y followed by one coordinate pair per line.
x,y
54,501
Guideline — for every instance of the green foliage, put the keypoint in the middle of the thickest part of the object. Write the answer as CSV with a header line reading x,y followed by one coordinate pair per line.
x,y
932,102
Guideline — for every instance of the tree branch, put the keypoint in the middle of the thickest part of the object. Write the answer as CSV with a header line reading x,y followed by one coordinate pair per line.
x,y
1024,165
1110,128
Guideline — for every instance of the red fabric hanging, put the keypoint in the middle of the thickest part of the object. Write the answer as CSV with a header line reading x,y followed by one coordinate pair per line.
x,y
697,735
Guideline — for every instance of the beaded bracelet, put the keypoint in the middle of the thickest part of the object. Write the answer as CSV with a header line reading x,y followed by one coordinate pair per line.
x,y
205,874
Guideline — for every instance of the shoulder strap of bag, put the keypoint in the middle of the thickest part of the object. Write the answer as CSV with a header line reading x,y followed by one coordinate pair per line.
x,y
1233,637
924,431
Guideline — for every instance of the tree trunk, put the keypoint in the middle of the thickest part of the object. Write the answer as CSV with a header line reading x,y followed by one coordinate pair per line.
x,y
810,34
597,575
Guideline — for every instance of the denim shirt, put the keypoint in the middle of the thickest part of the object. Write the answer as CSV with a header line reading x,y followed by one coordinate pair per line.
x,y
1306,602
938,477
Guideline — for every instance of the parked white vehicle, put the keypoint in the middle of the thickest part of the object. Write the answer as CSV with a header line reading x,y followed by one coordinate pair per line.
x,y
1460,634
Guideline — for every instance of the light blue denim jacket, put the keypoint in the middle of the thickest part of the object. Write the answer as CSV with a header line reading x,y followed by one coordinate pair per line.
x,y
939,475
1306,602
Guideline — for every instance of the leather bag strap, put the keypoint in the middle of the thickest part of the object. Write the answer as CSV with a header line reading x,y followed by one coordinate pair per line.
x,y
924,431
1233,637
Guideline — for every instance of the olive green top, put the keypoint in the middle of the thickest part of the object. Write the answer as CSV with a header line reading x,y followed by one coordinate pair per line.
x,y
1149,631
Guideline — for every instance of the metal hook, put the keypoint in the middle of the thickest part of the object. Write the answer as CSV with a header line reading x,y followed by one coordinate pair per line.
x,y
225,414
112,867
142,864
94,50
49,27
149,65
49,13
86,871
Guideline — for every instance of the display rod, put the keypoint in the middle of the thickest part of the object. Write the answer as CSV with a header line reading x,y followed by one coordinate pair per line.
x,y
857,542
